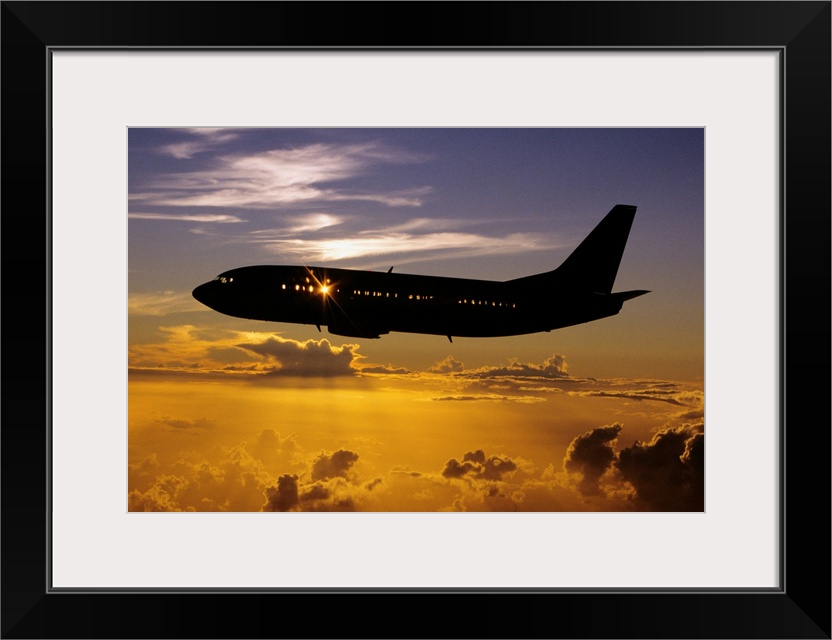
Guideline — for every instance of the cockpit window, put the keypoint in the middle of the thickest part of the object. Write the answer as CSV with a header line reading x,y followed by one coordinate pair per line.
x,y
223,279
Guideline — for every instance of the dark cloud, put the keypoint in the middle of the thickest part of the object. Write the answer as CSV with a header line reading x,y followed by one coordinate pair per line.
x,y
386,370
590,455
476,466
372,484
202,423
552,368
448,365
692,416
310,358
668,473
336,465
315,492
333,486
487,396
283,497
655,395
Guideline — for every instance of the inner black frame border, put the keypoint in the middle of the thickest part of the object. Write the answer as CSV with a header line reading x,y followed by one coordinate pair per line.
x,y
799,31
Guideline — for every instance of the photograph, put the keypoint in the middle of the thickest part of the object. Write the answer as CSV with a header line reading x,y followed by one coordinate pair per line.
x,y
416,319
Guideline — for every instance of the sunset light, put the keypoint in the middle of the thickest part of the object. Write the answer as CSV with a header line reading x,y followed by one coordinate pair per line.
x,y
234,413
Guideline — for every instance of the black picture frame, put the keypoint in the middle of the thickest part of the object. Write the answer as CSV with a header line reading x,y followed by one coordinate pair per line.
x,y
800,608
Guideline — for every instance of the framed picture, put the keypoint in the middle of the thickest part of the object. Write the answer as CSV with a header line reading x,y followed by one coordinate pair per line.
x,y
718,124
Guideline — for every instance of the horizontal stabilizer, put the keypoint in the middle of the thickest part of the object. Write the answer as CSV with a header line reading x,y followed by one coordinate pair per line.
x,y
628,295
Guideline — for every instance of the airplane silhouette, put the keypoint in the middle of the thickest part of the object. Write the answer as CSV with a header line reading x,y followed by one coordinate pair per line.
x,y
366,304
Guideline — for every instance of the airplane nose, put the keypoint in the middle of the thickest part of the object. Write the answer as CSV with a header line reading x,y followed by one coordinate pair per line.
x,y
203,294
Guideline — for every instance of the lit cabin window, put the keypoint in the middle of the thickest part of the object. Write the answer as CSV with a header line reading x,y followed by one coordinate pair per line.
x,y
297,287
283,286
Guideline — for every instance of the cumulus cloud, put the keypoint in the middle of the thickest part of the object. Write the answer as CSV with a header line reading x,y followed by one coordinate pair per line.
x,y
273,448
234,481
668,473
590,455
380,369
309,358
330,484
335,465
448,365
665,474
163,495
284,496
475,465
187,350
552,368
512,382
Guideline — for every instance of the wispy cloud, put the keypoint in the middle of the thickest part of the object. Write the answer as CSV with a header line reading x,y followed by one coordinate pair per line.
x,y
281,177
209,139
294,225
411,246
489,396
160,303
678,397
187,217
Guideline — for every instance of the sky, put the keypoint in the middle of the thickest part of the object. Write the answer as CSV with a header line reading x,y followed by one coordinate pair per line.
x,y
228,414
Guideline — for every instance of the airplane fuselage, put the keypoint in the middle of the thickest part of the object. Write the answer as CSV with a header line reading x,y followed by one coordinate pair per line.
x,y
369,304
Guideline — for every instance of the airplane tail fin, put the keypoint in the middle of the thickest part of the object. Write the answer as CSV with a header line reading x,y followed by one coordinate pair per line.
x,y
594,264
